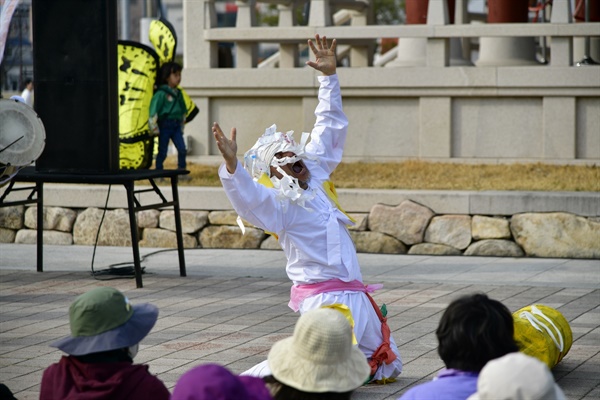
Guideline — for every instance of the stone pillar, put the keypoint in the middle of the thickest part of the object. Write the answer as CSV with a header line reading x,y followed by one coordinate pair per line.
x,y
437,48
460,48
361,55
504,51
199,15
246,53
320,13
288,53
413,52
559,116
435,127
562,47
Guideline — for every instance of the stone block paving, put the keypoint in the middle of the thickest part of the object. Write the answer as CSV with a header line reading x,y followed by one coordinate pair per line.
x,y
234,321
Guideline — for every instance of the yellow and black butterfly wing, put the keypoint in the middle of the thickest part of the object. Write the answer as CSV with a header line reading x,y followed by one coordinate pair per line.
x,y
190,106
137,69
164,39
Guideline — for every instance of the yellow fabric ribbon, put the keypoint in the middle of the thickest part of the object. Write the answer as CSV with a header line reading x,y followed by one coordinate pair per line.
x,y
332,194
345,310
265,181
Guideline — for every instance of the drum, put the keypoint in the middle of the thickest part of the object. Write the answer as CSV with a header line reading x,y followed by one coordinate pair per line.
x,y
542,332
22,138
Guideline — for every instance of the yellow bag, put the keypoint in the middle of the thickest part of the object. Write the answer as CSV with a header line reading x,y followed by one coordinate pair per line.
x,y
542,332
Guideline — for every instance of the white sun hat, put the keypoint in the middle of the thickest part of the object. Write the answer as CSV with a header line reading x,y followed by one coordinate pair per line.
x,y
516,376
320,356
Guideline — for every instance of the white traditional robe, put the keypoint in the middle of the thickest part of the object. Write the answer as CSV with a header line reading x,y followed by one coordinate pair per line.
x,y
315,238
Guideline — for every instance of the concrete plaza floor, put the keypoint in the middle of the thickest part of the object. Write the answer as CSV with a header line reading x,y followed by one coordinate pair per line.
x,y
232,307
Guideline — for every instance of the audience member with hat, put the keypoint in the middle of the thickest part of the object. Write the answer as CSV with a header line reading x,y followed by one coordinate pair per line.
x,y
214,382
516,376
319,361
473,330
106,330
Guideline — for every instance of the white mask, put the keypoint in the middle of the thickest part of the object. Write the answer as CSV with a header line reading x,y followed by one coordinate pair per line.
x,y
133,350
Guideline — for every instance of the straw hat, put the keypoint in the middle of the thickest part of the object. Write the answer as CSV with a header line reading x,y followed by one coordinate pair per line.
x,y
103,319
214,382
319,357
516,376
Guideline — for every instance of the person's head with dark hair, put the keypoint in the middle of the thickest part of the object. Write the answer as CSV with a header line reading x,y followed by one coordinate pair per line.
x,y
473,330
286,392
27,84
167,70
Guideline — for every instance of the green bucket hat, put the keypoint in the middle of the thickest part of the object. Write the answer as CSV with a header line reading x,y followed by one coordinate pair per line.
x,y
103,319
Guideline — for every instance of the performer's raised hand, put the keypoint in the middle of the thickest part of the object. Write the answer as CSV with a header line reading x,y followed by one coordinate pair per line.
x,y
325,56
227,147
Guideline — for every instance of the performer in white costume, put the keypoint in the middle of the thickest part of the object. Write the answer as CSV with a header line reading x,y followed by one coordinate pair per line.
x,y
286,191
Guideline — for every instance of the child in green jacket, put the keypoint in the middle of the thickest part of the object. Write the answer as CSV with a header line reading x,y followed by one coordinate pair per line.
x,y
167,114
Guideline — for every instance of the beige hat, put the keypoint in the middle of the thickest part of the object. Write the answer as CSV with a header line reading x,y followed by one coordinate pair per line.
x,y
516,376
320,356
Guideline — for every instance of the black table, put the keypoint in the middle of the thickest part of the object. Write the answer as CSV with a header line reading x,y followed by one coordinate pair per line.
x,y
126,178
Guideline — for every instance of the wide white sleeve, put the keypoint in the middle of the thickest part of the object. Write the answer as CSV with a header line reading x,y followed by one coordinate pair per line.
x,y
328,136
252,201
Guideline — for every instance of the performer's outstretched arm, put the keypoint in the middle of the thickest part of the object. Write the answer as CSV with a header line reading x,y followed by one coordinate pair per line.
x,y
328,136
325,61
227,147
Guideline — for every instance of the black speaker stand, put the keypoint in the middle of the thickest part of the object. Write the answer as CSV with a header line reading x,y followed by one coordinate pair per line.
x,y
126,178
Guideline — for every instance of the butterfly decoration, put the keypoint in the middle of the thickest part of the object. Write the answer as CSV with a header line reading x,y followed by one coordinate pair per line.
x,y
138,66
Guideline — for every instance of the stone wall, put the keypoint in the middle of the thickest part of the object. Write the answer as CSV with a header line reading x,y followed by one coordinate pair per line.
x,y
407,228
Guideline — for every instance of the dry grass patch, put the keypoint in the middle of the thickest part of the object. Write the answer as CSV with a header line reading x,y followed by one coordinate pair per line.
x,y
451,176
421,175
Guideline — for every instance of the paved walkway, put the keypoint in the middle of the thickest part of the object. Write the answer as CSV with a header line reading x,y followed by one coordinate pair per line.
x,y
232,307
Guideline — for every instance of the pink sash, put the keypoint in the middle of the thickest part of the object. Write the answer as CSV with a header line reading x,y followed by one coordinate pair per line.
x,y
383,354
300,292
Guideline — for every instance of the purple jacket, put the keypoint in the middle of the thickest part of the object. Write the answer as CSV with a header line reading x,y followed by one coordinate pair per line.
x,y
449,384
